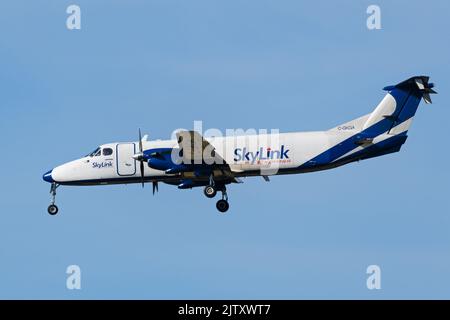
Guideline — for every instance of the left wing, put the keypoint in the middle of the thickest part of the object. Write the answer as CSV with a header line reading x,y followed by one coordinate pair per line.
x,y
196,151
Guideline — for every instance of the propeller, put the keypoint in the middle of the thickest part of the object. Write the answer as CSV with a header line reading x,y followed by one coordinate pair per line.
x,y
140,157
141,160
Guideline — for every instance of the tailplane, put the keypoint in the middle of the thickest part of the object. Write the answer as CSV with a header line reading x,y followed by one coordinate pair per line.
x,y
395,112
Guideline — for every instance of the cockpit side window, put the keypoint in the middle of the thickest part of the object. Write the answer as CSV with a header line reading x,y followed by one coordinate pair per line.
x,y
107,151
95,153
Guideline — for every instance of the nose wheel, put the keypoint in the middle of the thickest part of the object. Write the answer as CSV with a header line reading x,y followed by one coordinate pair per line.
x,y
52,208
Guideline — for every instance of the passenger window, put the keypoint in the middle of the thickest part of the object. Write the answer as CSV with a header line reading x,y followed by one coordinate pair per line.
x,y
107,151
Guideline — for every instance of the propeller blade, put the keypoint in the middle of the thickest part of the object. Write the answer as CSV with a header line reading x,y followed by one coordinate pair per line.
x,y
141,160
142,173
140,141
155,187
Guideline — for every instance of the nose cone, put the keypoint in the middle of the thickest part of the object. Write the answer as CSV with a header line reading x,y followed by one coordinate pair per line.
x,y
48,176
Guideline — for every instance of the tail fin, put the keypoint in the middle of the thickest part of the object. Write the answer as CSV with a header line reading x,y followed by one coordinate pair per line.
x,y
395,112
381,132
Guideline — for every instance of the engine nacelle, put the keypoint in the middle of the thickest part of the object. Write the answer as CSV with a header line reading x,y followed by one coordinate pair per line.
x,y
159,158
186,184
158,164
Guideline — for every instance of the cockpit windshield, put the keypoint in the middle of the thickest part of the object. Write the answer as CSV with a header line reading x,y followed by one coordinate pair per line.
x,y
94,153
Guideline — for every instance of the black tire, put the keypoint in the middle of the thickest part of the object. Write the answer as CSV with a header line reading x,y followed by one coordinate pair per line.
x,y
52,209
210,191
222,206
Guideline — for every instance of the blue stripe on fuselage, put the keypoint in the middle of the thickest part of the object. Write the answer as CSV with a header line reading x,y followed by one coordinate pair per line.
x,y
349,144
389,145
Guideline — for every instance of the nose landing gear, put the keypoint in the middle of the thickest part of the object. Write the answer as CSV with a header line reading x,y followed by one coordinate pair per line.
x,y
52,208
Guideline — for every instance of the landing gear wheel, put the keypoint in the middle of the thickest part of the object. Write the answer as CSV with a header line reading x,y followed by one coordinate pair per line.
x,y
210,191
222,205
52,209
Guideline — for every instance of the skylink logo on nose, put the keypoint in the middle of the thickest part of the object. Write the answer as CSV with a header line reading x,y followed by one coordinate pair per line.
x,y
261,154
100,165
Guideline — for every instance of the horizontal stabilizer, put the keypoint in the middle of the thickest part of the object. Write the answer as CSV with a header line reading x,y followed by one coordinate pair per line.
x,y
420,84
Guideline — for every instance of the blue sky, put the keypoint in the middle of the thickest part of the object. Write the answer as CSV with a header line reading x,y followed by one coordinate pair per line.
x,y
160,65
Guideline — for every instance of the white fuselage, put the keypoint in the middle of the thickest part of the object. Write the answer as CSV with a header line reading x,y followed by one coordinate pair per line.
x,y
245,155
192,160
215,162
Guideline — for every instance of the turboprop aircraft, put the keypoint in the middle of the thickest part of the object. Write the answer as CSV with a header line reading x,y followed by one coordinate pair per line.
x,y
192,160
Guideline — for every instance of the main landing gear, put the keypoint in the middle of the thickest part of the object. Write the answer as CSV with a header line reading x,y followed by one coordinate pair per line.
x,y
210,191
223,205
52,208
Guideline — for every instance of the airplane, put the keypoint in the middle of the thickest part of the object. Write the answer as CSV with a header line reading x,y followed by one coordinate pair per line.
x,y
214,162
